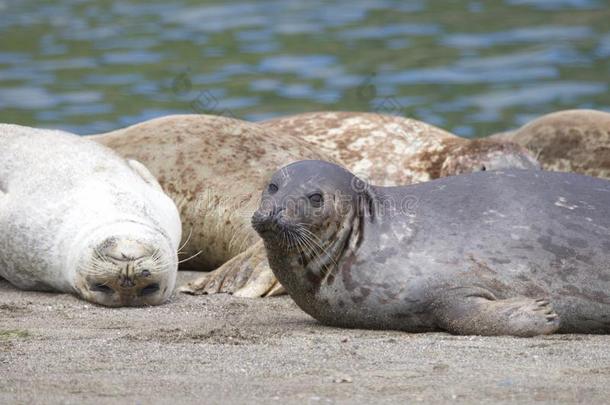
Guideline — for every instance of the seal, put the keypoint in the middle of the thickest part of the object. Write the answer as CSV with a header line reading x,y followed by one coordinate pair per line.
x,y
516,252
389,150
77,218
213,168
568,141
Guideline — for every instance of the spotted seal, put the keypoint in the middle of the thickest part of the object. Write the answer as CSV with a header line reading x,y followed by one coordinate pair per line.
x,y
390,150
568,141
77,218
517,252
213,168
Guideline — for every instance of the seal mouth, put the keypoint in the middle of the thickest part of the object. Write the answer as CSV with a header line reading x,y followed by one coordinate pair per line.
x,y
267,226
276,229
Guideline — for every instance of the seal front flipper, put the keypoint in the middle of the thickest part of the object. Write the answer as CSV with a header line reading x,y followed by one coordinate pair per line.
x,y
483,314
144,173
246,275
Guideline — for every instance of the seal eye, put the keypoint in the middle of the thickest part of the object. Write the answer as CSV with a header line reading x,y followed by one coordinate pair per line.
x,y
316,199
272,188
483,168
103,288
150,289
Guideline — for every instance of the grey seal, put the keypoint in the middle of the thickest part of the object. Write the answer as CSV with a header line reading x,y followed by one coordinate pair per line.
x,y
514,252
77,218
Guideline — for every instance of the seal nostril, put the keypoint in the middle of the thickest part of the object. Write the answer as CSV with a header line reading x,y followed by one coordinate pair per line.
x,y
150,289
103,288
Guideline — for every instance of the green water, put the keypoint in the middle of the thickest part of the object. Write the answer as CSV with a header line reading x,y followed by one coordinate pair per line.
x,y
472,67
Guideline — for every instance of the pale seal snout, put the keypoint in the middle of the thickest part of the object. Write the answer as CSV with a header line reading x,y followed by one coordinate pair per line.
x,y
127,270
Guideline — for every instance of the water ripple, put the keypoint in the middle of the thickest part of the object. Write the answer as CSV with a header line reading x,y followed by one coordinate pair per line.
x,y
473,67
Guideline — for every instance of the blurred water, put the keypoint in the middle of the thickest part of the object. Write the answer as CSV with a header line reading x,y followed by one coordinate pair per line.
x,y
472,67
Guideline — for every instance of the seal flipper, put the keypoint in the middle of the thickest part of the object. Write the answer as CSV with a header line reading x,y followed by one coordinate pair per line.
x,y
246,275
144,173
482,314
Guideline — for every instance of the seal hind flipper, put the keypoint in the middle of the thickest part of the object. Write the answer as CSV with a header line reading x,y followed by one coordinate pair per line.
x,y
144,173
484,315
246,275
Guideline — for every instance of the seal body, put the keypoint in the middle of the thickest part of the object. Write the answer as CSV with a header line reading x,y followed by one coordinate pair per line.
x,y
75,217
213,168
389,150
509,252
568,141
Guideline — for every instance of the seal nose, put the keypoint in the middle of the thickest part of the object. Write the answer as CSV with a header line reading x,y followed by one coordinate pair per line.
x,y
275,213
264,220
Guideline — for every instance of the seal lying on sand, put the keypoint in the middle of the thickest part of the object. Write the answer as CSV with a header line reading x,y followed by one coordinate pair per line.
x,y
75,217
213,168
513,252
388,151
568,141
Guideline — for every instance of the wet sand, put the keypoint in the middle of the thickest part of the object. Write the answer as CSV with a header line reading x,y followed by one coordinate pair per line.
x,y
55,348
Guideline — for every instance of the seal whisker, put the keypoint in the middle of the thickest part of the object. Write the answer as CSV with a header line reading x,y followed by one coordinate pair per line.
x,y
318,243
316,240
188,238
191,257
100,256
317,256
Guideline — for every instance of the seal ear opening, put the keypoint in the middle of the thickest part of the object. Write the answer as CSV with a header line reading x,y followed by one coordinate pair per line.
x,y
144,173
3,190
366,204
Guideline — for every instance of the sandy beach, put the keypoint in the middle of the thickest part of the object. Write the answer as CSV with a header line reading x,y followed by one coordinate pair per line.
x,y
55,348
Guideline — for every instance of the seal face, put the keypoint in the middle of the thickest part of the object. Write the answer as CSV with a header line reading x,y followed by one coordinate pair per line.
x,y
77,218
389,151
450,254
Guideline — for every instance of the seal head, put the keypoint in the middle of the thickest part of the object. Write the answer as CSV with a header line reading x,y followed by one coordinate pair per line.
x,y
310,217
124,264
484,155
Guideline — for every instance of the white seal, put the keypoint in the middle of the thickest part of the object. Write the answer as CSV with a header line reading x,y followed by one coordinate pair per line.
x,y
75,217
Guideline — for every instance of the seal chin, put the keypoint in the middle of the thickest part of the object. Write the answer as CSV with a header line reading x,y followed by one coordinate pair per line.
x,y
127,271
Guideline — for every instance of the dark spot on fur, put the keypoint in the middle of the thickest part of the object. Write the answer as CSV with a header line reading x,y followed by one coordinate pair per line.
x,y
495,260
578,242
560,252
